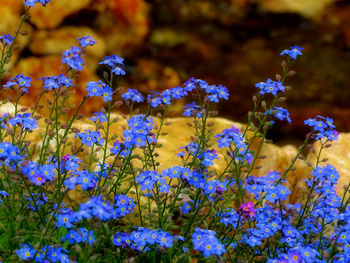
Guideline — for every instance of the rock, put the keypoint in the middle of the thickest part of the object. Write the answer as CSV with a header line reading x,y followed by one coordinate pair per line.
x,y
10,17
53,42
124,24
310,8
55,12
38,67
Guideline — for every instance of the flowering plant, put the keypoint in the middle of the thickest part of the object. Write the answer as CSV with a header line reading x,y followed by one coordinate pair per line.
x,y
97,196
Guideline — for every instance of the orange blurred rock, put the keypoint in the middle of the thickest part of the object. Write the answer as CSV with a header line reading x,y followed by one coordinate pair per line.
x,y
151,76
54,42
123,23
10,11
55,12
15,6
38,67
309,8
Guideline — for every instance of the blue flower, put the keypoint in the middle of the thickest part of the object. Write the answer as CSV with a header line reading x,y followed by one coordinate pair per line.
x,y
229,217
90,137
123,206
177,92
68,163
207,157
280,113
187,207
132,95
100,116
119,148
115,63
24,120
38,200
31,3
26,252
270,87
174,172
322,128
143,237
10,154
154,101
3,194
72,57
139,133
72,236
233,135
66,218
205,242
50,82
71,182
86,41
293,52
192,109
147,179
95,207
86,180
6,39
308,254
95,88
20,80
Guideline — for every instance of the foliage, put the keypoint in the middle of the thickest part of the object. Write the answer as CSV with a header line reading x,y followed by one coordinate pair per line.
x,y
182,213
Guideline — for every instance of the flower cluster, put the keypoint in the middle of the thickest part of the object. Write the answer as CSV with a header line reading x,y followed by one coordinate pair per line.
x,y
20,80
32,3
247,210
38,174
280,113
73,58
270,87
265,185
115,63
148,179
86,41
9,154
81,235
123,205
213,92
99,89
25,120
233,135
142,238
139,133
132,95
56,82
90,137
293,52
51,253
6,39
206,242
322,127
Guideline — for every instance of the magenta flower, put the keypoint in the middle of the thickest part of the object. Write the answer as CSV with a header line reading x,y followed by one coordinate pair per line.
x,y
247,210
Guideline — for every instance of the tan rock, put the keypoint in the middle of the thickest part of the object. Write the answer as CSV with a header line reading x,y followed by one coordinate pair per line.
x,y
10,17
55,12
124,24
38,67
309,8
54,42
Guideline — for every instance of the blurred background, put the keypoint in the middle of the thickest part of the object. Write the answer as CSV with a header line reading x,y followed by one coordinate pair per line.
x,y
235,43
